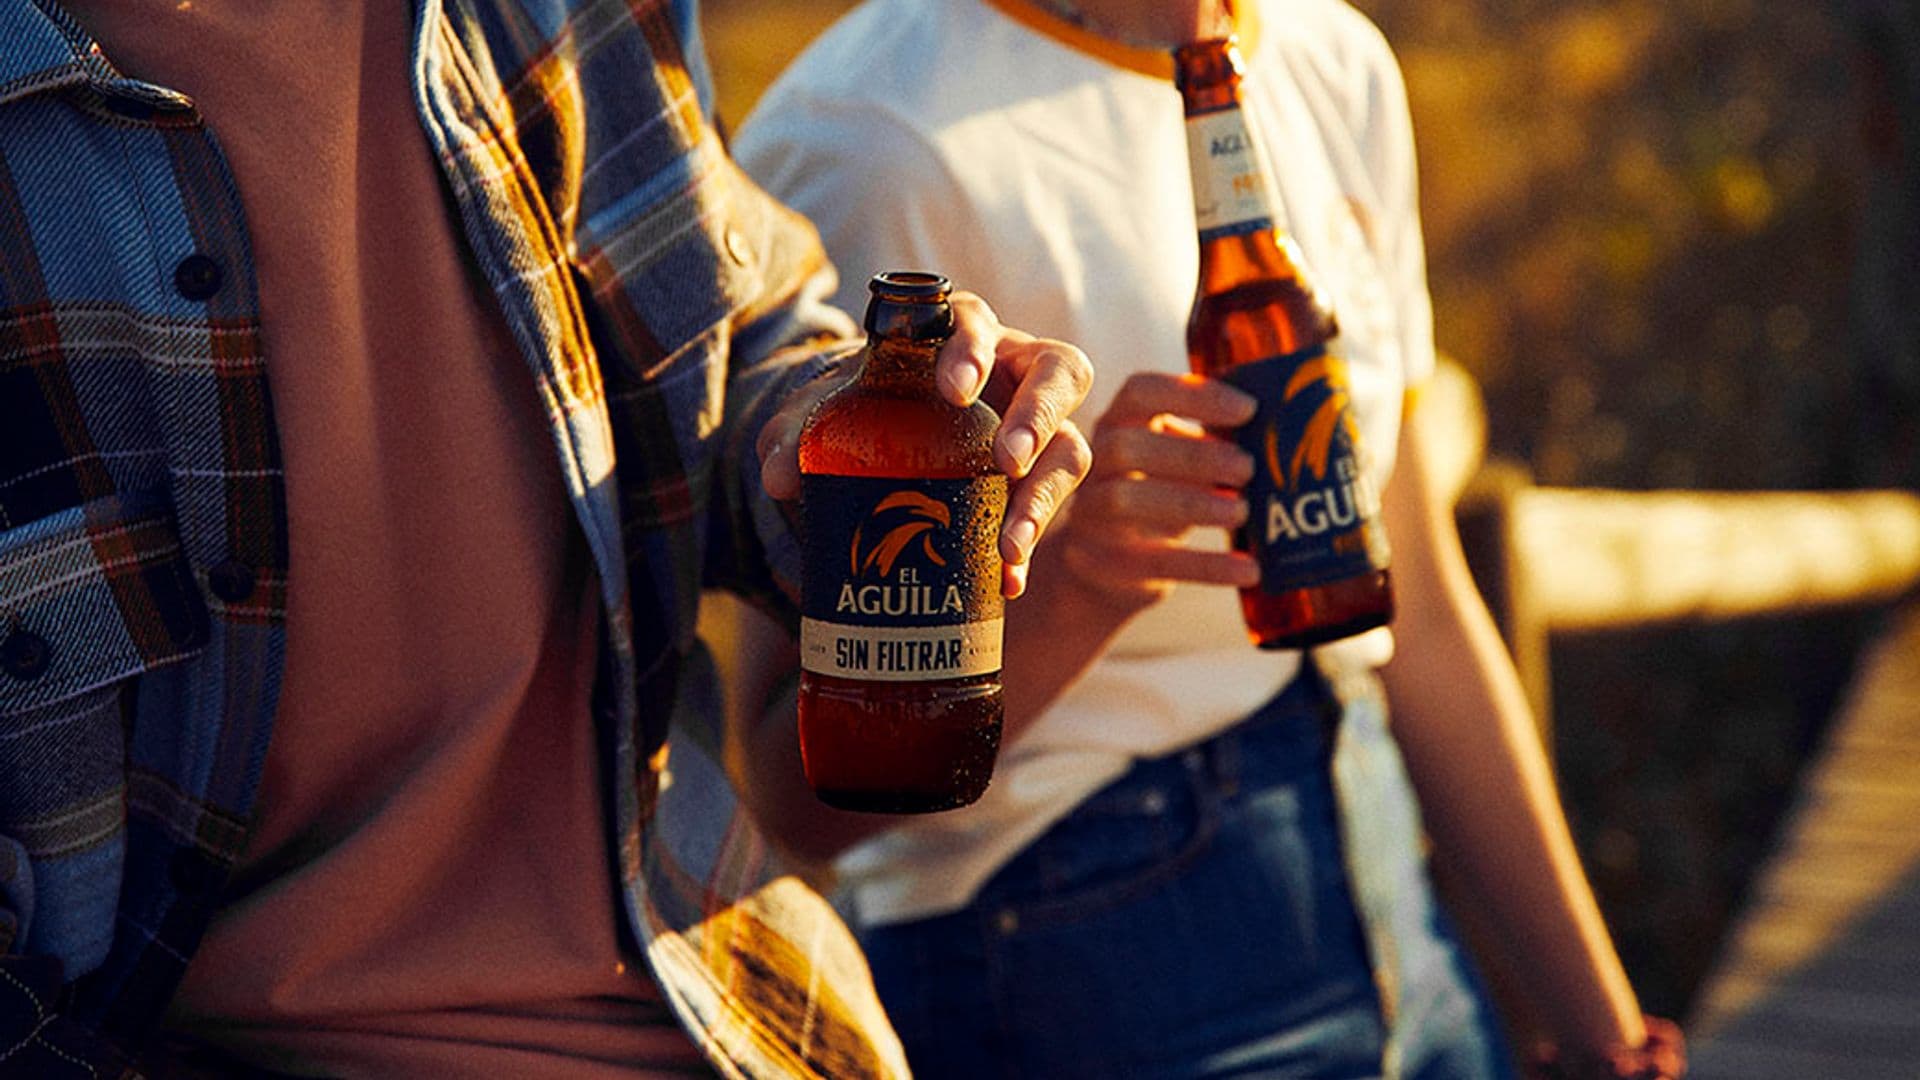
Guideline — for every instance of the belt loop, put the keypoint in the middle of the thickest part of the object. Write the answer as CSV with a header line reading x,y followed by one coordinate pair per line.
x,y
1329,702
1223,754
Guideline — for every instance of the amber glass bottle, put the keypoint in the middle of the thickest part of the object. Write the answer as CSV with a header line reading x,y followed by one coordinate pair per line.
x,y
900,633
1257,323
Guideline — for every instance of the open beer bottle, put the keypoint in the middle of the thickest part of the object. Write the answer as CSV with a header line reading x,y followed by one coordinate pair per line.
x,y
1257,323
900,631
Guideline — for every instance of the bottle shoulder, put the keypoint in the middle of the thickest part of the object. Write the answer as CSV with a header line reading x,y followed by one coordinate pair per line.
x,y
1254,320
870,430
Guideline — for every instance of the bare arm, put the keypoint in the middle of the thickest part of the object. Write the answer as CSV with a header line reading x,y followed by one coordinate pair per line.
x,y
1485,788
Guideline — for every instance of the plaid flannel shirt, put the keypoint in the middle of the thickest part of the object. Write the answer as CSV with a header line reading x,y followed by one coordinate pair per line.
x,y
664,306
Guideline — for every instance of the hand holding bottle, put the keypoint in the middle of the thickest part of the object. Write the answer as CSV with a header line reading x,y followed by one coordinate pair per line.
x,y
1032,382
1159,473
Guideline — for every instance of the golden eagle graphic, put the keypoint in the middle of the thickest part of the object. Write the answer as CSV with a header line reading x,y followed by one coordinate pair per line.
x,y
922,514
1315,449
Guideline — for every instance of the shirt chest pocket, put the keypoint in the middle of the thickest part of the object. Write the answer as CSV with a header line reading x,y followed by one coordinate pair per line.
x,y
90,598
660,282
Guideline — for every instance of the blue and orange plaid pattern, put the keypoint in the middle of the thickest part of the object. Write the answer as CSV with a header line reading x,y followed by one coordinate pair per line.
x,y
664,306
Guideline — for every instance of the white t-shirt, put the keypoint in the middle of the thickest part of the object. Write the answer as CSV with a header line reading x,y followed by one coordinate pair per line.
x,y
1047,171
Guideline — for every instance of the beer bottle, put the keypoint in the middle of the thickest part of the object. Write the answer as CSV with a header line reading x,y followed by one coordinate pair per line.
x,y
1258,324
900,633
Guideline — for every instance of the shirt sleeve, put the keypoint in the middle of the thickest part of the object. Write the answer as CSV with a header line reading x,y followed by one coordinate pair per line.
x,y
1386,138
786,336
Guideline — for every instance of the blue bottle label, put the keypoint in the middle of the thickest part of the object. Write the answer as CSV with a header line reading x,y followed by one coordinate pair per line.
x,y
902,577
1312,509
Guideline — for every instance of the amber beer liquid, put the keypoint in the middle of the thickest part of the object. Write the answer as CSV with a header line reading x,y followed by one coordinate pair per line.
x,y
1313,523
900,632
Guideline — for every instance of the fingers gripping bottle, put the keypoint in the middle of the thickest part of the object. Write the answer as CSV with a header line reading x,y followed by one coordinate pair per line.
x,y
900,633
1314,515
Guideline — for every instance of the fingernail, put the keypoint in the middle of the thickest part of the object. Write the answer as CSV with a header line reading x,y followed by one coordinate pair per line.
x,y
963,380
1020,444
1244,468
1244,404
1021,534
1016,580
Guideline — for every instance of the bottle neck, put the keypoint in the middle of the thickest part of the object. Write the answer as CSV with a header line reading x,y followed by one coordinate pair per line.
x,y
899,365
904,334
1242,232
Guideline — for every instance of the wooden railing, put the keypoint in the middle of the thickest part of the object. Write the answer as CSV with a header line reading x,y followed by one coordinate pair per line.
x,y
1572,560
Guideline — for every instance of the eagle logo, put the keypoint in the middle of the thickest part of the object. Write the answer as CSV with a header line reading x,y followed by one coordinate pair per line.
x,y
1332,416
901,518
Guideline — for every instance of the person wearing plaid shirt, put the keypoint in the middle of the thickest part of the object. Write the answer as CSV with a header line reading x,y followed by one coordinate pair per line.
x,y
273,279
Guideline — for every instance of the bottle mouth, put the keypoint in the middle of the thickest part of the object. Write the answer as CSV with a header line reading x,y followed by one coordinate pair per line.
x,y
909,305
910,285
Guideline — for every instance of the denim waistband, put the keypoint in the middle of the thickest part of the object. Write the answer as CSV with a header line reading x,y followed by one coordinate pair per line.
x,y
1174,802
1303,720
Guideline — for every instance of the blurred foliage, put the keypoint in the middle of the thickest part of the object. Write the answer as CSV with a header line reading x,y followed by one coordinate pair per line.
x,y
1641,219
751,40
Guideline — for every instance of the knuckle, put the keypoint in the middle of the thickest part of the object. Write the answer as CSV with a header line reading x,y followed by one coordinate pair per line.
x,y
1132,389
1101,500
1077,367
968,303
1116,446
1079,453
1048,411
770,435
1132,498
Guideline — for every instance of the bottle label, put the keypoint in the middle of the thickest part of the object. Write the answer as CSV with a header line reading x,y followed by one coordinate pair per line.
x,y
1313,512
1231,194
902,580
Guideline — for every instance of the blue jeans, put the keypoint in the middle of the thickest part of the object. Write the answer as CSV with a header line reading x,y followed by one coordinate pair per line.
x,y
1196,918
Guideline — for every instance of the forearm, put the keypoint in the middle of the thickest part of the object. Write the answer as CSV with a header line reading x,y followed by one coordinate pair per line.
x,y
758,662
1054,634
1485,788
1490,805
793,817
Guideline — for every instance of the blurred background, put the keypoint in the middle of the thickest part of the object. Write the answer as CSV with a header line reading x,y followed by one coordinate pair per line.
x,y
1676,245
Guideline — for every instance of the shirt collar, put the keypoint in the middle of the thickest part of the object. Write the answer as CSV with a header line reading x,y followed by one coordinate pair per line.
x,y
45,48
1154,63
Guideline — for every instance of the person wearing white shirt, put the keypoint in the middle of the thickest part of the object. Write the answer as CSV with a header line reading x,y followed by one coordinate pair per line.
x,y
1196,858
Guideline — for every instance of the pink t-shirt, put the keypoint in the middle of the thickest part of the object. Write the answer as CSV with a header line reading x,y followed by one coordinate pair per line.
x,y
427,890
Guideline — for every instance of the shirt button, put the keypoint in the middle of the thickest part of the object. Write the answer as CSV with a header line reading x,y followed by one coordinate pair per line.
x,y
231,581
197,277
1007,922
737,246
24,655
